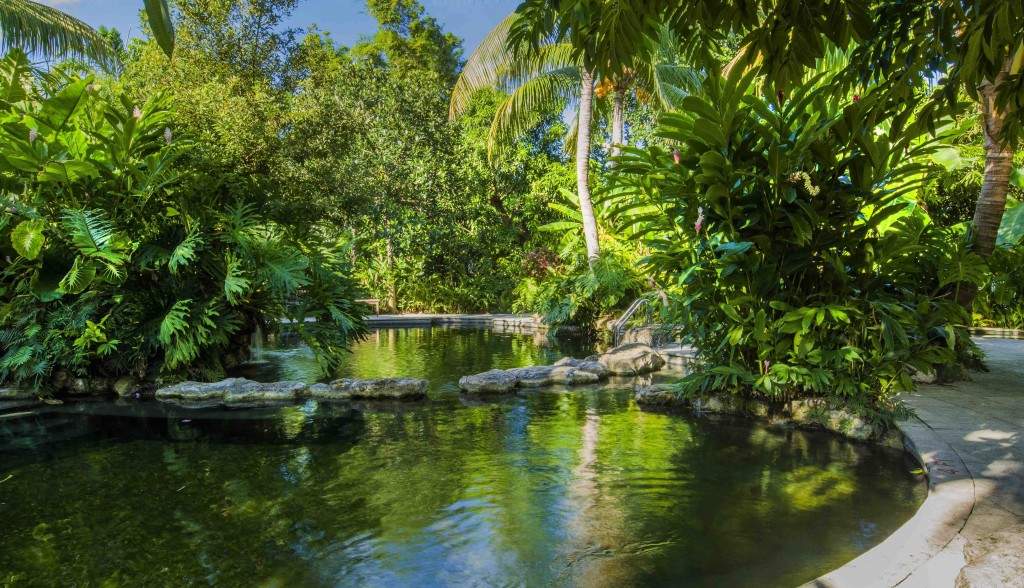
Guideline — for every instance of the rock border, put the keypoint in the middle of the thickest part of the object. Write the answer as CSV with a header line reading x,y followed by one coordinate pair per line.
x,y
241,392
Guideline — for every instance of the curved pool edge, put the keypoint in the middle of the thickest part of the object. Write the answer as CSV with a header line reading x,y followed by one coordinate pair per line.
x,y
927,550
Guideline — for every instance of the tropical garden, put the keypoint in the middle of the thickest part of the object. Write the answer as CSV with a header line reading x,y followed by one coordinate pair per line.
x,y
822,197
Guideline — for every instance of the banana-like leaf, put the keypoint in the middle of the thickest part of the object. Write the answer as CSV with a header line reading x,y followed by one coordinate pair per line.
x,y
159,15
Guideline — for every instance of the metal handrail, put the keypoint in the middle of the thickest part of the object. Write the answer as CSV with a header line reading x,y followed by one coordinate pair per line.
x,y
619,326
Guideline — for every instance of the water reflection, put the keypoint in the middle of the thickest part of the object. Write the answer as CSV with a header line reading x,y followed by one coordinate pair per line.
x,y
551,488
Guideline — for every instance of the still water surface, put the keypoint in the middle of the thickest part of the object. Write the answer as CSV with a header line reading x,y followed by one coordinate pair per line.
x,y
573,488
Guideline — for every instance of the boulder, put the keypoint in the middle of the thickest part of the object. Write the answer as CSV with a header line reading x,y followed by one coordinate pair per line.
x,y
15,393
657,395
632,359
125,386
379,389
532,377
572,376
587,365
199,391
265,392
489,382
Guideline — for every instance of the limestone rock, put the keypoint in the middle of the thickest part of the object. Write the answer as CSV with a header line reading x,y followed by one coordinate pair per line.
x,y
265,392
379,389
657,395
632,359
532,376
587,365
489,382
198,391
125,386
573,376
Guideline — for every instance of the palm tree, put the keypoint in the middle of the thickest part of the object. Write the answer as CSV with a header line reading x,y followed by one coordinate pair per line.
x,y
50,33
551,74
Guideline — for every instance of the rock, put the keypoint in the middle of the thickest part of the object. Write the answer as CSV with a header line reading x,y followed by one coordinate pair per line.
x,y
15,393
489,382
195,391
318,390
77,386
265,392
380,389
531,377
658,395
849,424
587,365
572,376
632,359
125,386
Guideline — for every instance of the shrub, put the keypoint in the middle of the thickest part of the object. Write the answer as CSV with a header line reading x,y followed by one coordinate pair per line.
x,y
784,225
123,260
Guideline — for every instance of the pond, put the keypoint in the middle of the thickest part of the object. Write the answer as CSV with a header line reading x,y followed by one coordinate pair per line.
x,y
559,487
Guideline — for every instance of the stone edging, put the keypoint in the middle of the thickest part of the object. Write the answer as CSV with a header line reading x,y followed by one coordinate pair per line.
x,y
928,549
498,322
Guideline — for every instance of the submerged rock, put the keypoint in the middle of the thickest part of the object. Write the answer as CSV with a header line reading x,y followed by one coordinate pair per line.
x,y
379,389
632,359
489,382
125,386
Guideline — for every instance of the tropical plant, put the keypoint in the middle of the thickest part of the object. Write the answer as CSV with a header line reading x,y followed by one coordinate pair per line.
x,y
38,29
781,227
123,260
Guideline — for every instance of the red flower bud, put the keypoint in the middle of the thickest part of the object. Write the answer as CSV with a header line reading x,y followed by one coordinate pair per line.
x,y
676,156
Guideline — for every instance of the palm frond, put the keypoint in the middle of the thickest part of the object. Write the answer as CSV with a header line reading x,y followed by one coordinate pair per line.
x,y
482,69
518,113
41,30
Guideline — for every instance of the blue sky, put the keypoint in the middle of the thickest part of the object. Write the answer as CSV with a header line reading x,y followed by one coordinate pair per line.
x,y
347,20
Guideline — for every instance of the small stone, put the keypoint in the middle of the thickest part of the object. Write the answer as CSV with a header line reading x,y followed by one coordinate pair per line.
x,y
532,376
195,391
572,376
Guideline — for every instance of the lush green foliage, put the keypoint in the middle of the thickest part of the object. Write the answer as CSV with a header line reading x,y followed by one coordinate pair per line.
x,y
125,260
781,230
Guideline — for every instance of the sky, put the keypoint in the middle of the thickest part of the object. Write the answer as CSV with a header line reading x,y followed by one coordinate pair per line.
x,y
347,20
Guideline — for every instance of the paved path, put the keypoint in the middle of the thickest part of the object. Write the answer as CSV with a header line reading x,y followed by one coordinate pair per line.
x,y
982,420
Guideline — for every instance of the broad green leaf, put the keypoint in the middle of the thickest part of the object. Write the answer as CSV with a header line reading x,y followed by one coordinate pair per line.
x,y
158,13
28,239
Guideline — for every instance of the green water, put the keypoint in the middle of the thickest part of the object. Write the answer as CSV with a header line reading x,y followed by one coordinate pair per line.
x,y
575,488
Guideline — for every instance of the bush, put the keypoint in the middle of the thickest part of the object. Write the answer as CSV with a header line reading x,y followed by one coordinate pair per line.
x,y
801,266
122,260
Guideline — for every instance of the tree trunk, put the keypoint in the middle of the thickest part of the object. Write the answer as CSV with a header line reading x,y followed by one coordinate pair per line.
x,y
618,124
583,167
392,283
988,211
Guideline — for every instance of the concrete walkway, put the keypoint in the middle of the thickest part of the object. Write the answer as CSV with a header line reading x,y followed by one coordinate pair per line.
x,y
982,420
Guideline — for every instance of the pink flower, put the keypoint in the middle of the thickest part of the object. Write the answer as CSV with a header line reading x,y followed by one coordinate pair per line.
x,y
136,113
676,156
697,226
856,97
767,364
32,134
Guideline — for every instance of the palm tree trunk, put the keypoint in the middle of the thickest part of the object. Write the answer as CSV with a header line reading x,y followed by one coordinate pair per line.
x,y
583,166
618,123
988,212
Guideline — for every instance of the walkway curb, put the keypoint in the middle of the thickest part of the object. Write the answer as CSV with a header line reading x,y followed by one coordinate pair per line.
x,y
928,549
